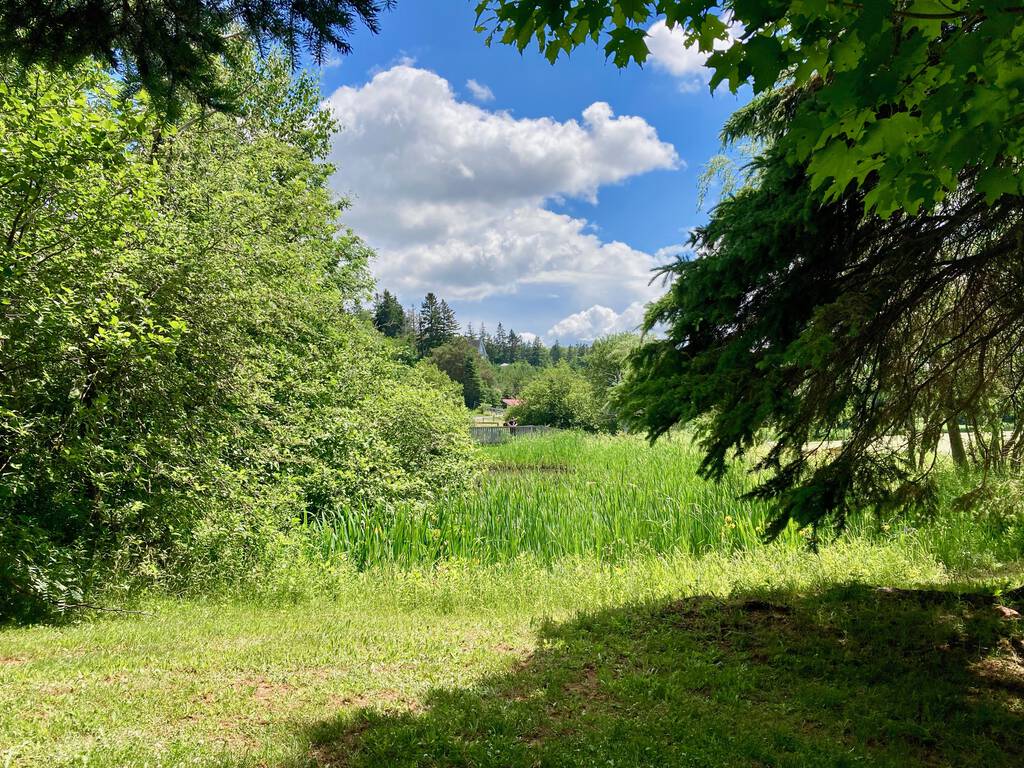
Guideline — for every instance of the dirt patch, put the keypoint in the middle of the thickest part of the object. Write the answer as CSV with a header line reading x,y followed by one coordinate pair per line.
x,y
588,686
1004,671
337,754
58,689
388,699
229,734
12,661
1007,674
517,652
263,689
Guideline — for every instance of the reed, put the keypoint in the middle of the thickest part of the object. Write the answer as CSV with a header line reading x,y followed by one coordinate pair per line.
x,y
565,495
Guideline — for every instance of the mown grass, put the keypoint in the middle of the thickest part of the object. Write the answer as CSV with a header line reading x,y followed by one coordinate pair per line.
x,y
579,663
592,604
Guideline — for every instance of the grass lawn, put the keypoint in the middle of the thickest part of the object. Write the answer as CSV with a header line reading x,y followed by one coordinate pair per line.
x,y
592,604
767,658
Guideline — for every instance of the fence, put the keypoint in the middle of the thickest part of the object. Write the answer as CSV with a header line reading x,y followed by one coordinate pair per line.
x,y
491,435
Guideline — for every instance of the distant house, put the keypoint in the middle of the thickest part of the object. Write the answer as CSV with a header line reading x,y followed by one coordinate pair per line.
x,y
511,401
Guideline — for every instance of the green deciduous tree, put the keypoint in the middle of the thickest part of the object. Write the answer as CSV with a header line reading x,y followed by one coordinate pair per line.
x,y
605,367
559,397
459,359
512,379
181,374
902,96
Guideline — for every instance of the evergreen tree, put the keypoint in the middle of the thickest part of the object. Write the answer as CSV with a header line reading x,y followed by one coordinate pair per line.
x,y
556,353
449,325
537,354
388,316
500,353
175,48
861,277
514,347
437,324
473,383
430,330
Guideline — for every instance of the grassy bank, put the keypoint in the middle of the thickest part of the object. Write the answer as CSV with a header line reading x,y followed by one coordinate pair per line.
x,y
764,656
591,604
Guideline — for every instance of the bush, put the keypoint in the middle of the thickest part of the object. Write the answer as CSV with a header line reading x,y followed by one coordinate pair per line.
x,y
559,397
181,374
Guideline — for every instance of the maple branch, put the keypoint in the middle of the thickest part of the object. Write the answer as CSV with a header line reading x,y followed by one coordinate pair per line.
x,y
950,15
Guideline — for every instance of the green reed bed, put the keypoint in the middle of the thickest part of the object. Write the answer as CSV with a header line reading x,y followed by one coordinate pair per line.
x,y
565,495
571,495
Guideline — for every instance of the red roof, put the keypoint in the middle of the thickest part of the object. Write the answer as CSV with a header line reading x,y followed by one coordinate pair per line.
x,y
511,401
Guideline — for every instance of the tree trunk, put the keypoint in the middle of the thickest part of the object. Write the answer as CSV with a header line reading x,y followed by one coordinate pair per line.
x,y
956,441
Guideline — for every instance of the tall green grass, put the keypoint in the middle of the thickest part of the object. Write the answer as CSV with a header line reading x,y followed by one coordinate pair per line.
x,y
565,495
611,499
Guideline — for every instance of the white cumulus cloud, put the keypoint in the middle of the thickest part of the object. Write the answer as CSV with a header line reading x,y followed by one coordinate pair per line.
x,y
453,195
480,92
671,53
598,321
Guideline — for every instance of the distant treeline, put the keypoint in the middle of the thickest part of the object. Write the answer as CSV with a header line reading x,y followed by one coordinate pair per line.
x,y
571,386
434,323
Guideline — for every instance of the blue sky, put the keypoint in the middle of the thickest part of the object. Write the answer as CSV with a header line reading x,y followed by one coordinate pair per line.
x,y
537,195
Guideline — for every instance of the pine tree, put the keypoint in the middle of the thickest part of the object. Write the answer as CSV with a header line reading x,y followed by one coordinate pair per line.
x,y
177,48
431,330
537,354
388,316
556,353
449,325
500,354
515,347
473,383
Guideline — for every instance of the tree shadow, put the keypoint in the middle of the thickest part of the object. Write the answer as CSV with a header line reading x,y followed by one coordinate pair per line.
x,y
848,677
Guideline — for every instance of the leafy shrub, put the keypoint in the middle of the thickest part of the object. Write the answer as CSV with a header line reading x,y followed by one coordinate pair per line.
x,y
559,397
181,375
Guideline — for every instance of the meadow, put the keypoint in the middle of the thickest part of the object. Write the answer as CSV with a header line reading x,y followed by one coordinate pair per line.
x,y
615,498
590,603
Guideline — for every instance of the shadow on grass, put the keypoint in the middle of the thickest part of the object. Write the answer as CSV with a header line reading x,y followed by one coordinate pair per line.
x,y
852,676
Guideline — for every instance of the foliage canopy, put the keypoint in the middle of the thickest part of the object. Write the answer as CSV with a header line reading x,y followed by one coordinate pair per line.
x,y
182,374
863,278
902,96
559,397
174,48
807,322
